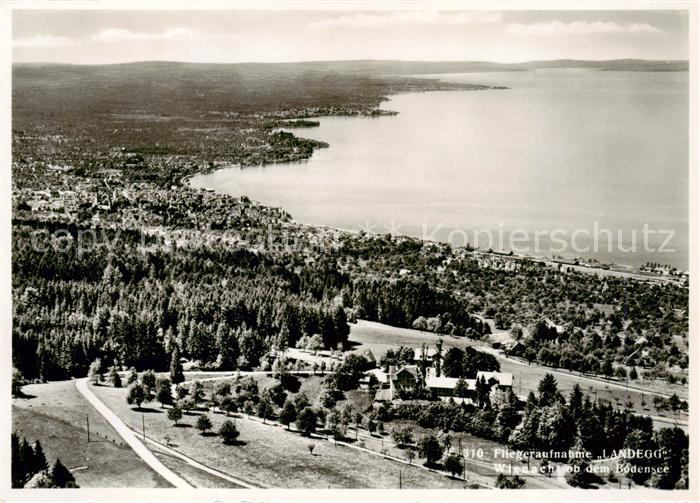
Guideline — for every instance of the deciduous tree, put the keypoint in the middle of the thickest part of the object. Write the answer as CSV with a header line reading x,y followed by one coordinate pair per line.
x,y
429,448
288,414
306,421
136,395
453,464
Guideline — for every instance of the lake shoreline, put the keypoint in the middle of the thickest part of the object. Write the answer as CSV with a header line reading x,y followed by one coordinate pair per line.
x,y
609,269
609,266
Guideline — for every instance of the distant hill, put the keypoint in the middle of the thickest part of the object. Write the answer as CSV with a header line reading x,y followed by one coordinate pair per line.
x,y
373,67
219,111
382,67
170,88
185,107
45,92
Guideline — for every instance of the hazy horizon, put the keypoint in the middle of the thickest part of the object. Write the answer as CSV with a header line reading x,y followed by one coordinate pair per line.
x,y
285,36
360,60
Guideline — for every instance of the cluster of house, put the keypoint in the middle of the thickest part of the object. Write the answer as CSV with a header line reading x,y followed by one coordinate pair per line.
x,y
396,380
78,194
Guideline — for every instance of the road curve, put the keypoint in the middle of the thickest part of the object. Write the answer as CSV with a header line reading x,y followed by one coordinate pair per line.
x,y
129,437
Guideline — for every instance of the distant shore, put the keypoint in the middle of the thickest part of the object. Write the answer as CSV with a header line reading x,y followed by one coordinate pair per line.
x,y
588,265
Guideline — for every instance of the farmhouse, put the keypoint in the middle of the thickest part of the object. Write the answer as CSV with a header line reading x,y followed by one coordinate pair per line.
x,y
374,376
398,381
424,354
500,339
446,386
501,381
405,378
513,347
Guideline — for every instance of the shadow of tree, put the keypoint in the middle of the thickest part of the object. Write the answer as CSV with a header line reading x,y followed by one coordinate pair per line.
x,y
23,396
147,410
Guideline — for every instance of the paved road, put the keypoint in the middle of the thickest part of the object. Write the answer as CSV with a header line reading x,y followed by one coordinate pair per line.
x,y
129,437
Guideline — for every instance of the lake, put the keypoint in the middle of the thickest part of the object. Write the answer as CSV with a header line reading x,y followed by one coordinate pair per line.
x,y
568,154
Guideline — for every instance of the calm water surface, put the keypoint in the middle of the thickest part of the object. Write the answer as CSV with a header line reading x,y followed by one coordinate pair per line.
x,y
561,149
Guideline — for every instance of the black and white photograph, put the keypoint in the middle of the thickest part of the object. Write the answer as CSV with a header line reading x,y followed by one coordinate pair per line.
x,y
311,246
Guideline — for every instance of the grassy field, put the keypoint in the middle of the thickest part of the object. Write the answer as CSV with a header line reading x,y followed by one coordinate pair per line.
x,y
378,338
270,456
57,414
478,468
193,475
359,400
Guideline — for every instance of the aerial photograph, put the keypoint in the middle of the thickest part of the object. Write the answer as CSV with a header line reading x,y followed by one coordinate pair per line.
x,y
349,247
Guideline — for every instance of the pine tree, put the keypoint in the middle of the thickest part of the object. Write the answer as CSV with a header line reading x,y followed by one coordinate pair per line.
x,y
95,371
548,391
429,448
136,395
340,326
175,414
39,457
114,377
578,476
19,470
176,375
453,465
62,477
264,409
483,391
530,403
227,342
306,421
17,382
229,432
164,391
148,380
576,402
26,454
133,376
203,423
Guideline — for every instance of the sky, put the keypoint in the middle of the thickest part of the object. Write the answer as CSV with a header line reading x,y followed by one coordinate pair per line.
x,y
232,36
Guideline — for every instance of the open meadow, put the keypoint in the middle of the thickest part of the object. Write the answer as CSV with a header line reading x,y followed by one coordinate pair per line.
x,y
270,456
56,414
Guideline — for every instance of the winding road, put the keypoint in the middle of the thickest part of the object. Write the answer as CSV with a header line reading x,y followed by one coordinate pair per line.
x,y
129,437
